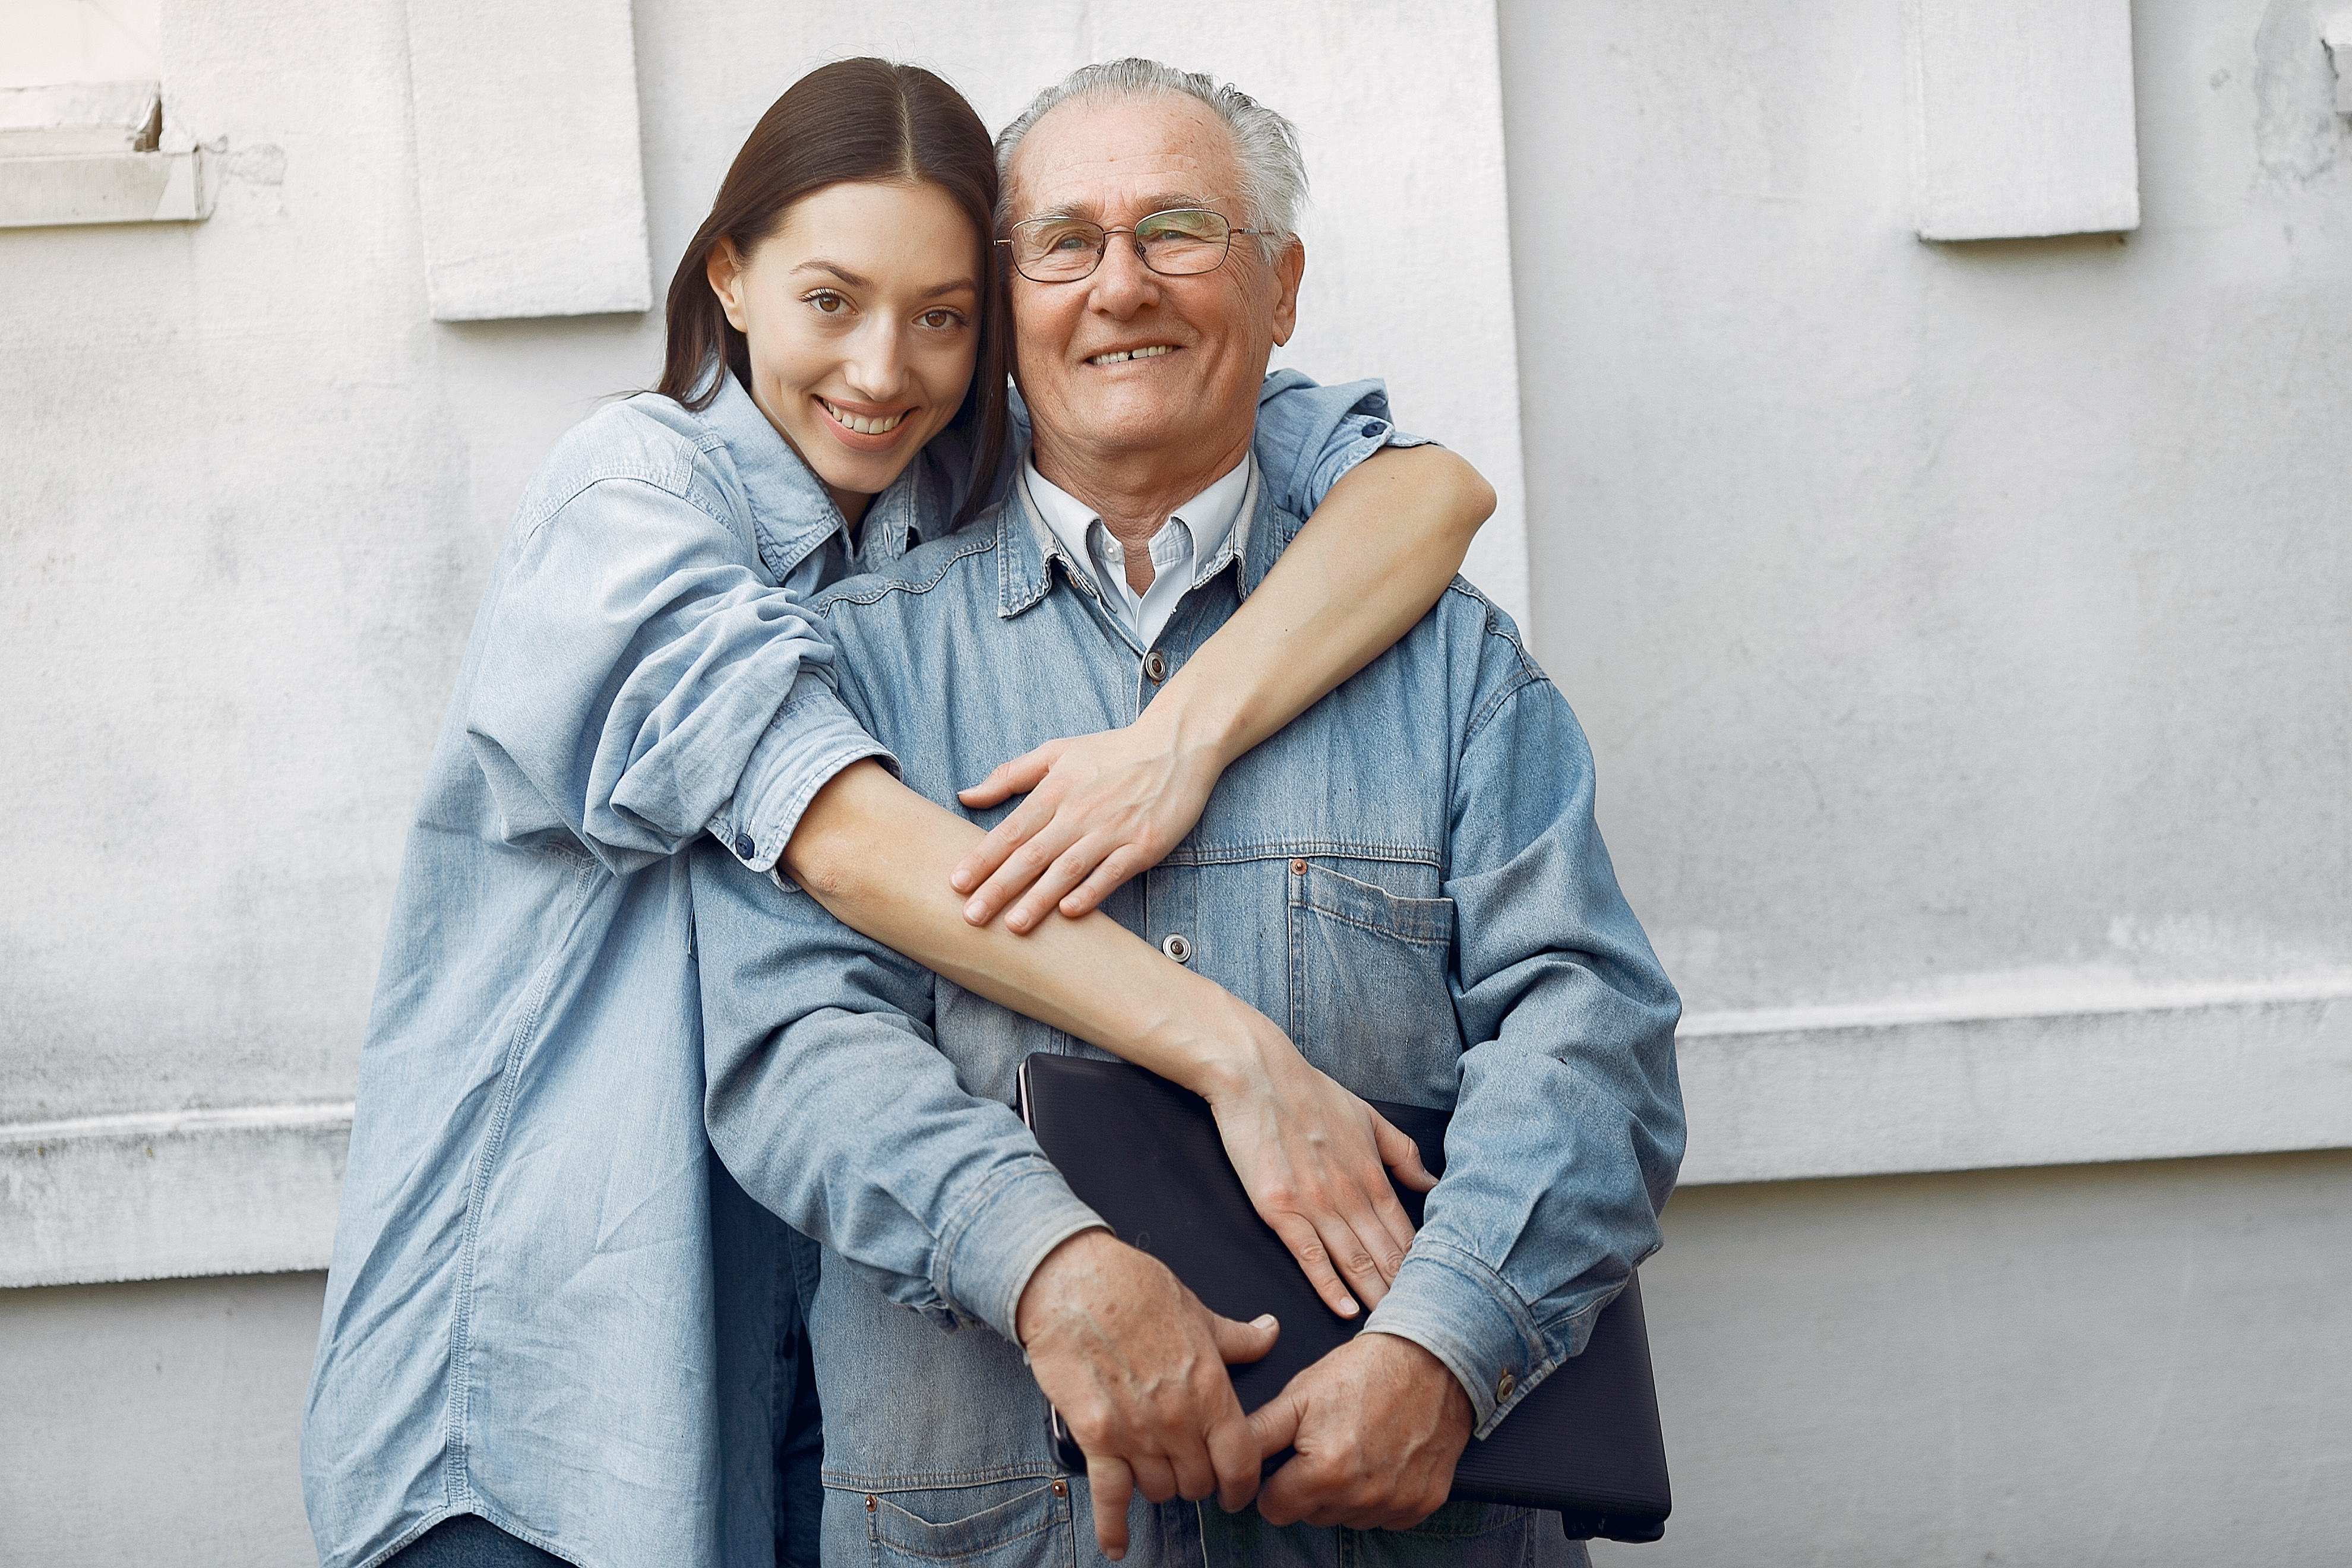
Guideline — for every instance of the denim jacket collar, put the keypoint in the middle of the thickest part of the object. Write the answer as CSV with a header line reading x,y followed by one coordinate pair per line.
x,y
791,513
1026,547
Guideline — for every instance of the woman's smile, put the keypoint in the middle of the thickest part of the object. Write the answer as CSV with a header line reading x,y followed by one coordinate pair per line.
x,y
859,427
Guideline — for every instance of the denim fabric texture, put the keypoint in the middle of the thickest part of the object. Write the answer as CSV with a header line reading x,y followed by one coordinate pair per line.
x,y
547,1305
1407,878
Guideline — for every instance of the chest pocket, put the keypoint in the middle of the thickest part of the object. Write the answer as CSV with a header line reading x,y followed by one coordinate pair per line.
x,y
1369,1001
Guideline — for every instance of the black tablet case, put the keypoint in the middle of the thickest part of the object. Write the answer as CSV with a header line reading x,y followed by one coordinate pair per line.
x,y
1144,1155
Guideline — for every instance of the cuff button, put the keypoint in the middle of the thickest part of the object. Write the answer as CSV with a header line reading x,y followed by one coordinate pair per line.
x,y
1177,948
744,845
1503,1386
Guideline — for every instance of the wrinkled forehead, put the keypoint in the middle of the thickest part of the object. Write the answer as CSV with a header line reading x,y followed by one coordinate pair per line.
x,y
1117,159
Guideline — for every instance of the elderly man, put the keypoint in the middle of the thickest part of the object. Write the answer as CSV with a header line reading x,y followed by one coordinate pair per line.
x,y
1409,875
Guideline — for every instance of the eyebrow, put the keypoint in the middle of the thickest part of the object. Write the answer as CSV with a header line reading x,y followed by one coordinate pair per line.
x,y
1166,201
856,280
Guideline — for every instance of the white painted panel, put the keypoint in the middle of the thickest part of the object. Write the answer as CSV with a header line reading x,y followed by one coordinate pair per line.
x,y
1772,1100
2021,115
105,187
528,173
249,1191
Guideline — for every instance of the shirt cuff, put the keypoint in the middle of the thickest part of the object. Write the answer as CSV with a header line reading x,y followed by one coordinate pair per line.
x,y
988,1255
811,738
1452,1305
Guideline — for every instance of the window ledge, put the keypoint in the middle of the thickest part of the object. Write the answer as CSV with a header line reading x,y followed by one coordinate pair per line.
x,y
105,187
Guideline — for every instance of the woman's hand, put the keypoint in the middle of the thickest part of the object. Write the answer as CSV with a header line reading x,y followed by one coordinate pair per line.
x,y
1100,808
1316,1161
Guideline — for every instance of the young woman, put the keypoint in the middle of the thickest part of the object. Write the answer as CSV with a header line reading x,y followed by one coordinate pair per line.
x,y
554,1324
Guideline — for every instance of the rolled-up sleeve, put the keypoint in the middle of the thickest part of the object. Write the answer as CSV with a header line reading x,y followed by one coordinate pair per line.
x,y
641,682
1568,1131
829,1103
1310,435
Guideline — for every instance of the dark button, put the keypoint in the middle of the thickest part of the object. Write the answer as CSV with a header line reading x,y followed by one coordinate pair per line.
x,y
744,845
1155,665
1177,948
1061,1488
1299,867
869,1502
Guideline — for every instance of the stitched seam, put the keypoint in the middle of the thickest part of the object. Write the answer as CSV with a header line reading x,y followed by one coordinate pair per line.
x,y
1293,849
675,492
880,587
461,1345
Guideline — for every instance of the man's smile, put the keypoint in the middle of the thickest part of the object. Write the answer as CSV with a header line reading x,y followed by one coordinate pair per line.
x,y
1120,356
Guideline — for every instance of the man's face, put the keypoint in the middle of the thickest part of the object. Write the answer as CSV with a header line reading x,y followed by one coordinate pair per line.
x,y
1190,397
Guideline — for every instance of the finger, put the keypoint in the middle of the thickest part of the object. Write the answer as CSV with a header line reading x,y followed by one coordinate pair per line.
x,y
1352,1241
1104,880
1274,1425
1399,1153
1110,1484
1244,1341
984,858
1043,837
1067,870
1156,1478
1233,1452
1018,776
1314,1261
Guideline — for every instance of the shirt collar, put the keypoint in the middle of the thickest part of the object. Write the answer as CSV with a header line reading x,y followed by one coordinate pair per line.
x,y
1215,519
792,513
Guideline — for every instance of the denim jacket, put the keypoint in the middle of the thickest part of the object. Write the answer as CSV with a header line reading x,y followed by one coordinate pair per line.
x,y
547,1305
1407,878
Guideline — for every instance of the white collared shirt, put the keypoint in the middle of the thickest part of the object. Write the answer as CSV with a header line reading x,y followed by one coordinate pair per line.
x,y
1194,544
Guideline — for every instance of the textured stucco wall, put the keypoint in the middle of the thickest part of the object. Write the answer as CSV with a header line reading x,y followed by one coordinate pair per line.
x,y
1952,621
252,489
2132,1365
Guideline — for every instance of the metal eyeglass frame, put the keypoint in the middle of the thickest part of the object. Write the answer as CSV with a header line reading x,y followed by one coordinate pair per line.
x,y
1103,248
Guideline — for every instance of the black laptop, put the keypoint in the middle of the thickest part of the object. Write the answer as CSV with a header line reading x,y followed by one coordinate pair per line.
x,y
1145,1156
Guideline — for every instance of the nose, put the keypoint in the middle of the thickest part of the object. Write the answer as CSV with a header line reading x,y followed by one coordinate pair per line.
x,y
878,368
1123,284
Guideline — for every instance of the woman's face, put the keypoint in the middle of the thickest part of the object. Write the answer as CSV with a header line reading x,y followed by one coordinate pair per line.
x,y
862,311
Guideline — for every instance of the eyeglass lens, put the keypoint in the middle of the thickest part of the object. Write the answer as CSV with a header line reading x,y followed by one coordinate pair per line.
x,y
1176,243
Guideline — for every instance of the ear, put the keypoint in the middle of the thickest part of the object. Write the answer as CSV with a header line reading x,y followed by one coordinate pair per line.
x,y
725,270
1288,268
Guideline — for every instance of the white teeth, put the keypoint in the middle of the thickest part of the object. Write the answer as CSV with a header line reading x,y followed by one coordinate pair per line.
x,y
1154,352
862,424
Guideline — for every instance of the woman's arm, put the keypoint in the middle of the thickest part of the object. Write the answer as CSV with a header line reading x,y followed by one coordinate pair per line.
x,y
1366,567
876,854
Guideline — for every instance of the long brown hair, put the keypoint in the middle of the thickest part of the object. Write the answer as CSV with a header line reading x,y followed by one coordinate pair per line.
x,y
852,119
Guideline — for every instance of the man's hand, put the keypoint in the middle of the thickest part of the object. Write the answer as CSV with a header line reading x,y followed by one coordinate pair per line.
x,y
1137,1367
1379,1425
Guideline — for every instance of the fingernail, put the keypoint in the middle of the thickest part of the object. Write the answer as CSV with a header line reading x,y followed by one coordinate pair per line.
x,y
1263,1320
972,911
1348,1306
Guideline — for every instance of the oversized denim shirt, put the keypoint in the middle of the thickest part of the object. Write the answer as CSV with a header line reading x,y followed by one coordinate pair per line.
x,y
1407,878
527,1316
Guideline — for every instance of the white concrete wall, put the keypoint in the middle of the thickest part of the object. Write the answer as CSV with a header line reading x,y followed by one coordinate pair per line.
x,y
1961,631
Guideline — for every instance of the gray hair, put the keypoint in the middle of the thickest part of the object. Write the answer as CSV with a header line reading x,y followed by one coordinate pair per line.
x,y
1273,170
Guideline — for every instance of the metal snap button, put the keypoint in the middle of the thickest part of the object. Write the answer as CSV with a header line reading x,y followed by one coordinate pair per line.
x,y
869,1502
1155,666
1299,867
1177,948
1503,1386
1061,1488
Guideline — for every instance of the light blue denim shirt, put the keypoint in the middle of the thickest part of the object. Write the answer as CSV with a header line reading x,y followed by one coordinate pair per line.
x,y
528,1317
1407,878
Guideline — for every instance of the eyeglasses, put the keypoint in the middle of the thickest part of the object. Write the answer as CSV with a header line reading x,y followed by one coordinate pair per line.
x,y
1177,243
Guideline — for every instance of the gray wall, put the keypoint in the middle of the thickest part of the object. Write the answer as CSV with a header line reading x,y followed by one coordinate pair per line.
x,y
1951,621
1961,631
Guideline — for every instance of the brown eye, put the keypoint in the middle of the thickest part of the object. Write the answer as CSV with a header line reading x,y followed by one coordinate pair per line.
x,y
941,321
829,303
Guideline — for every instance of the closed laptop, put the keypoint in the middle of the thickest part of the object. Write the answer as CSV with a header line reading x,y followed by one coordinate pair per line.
x,y
1144,1154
